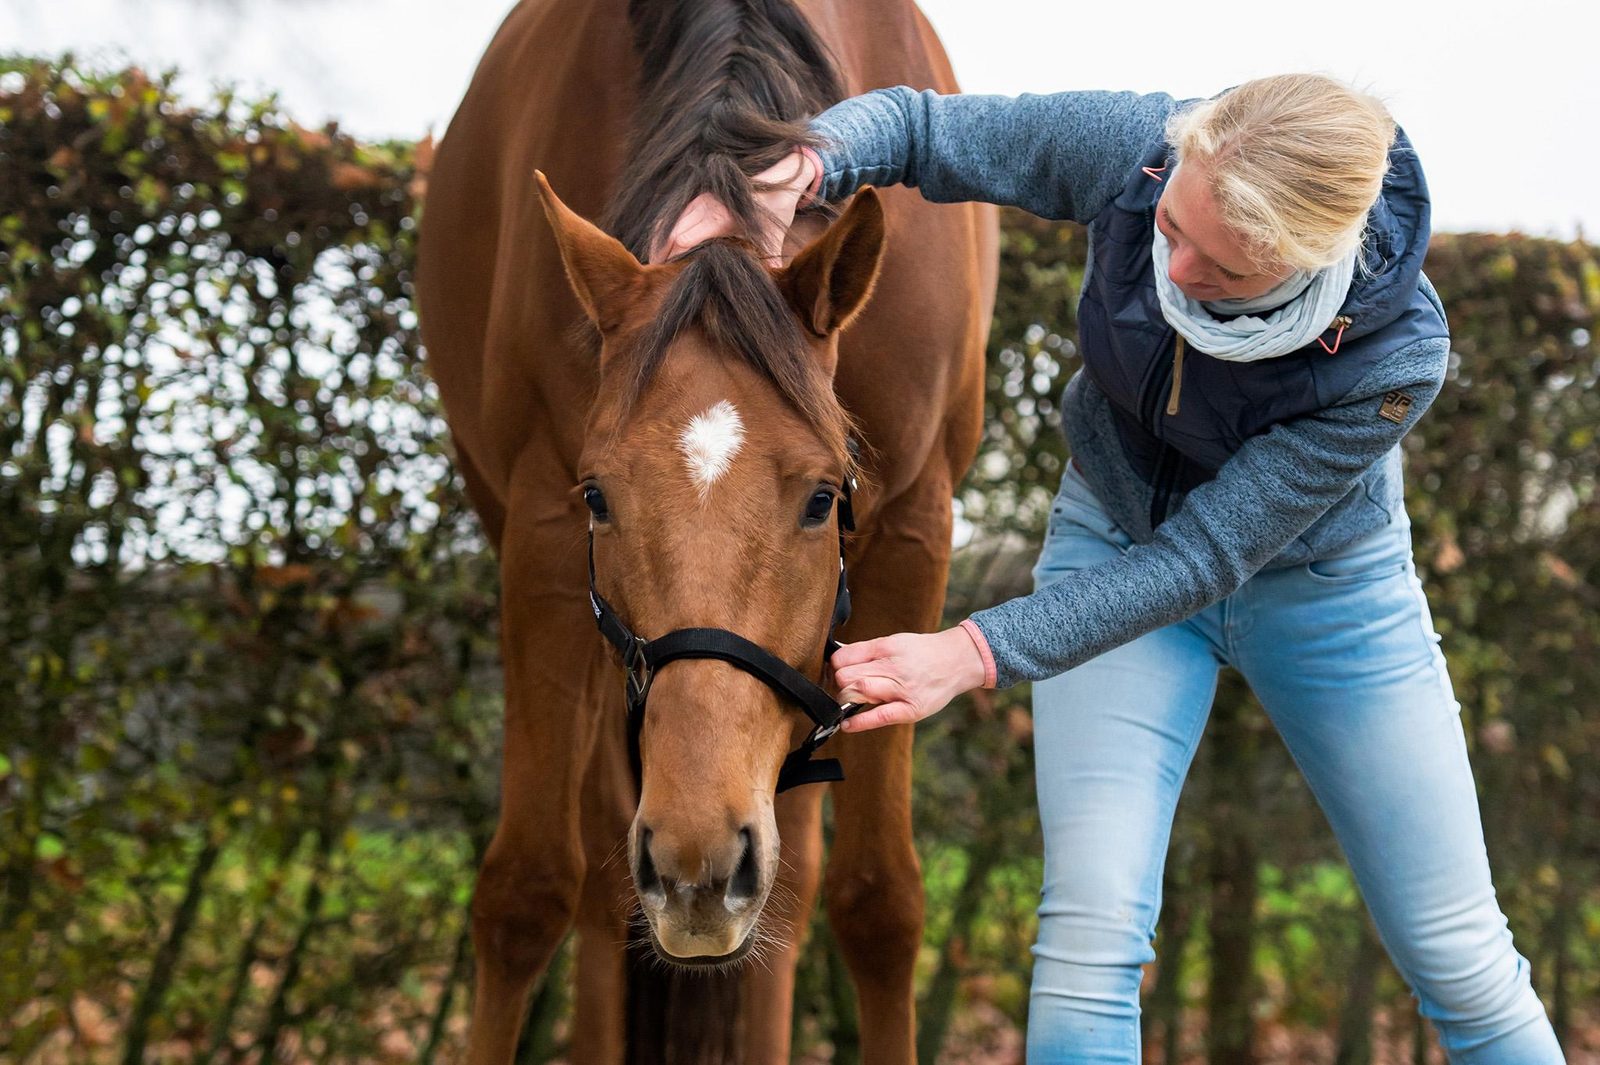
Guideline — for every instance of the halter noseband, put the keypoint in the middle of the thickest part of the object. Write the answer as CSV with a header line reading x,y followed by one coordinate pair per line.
x,y
642,658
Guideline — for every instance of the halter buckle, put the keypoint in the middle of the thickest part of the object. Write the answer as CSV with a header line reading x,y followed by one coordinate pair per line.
x,y
822,733
639,673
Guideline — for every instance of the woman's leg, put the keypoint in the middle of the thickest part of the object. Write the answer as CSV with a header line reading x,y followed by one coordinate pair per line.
x,y
1113,740
1344,657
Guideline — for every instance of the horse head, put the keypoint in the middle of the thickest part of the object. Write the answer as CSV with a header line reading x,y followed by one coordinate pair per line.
x,y
714,460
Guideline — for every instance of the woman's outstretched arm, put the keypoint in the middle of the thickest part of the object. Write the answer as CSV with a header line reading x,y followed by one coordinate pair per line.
x,y
1059,155
1062,155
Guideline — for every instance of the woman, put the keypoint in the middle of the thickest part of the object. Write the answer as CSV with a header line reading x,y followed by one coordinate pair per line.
x,y
1257,337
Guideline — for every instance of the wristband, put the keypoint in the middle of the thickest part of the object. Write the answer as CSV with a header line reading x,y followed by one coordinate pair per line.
x,y
970,627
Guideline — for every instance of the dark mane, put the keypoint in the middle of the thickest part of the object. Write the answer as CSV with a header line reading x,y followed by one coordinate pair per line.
x,y
727,294
725,90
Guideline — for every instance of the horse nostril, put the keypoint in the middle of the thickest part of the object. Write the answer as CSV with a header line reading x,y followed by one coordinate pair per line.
x,y
646,879
745,879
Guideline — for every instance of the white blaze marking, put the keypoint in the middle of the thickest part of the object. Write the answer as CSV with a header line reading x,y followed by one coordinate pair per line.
x,y
709,443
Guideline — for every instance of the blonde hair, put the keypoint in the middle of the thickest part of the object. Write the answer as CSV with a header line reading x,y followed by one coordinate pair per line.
x,y
1295,160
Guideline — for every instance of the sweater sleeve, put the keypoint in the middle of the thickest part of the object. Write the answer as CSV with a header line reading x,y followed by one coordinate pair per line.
x,y
1270,491
1059,155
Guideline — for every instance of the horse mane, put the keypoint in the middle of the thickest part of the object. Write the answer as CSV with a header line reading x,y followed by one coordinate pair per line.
x,y
726,90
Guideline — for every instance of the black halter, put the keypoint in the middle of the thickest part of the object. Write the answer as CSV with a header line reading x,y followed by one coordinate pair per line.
x,y
642,658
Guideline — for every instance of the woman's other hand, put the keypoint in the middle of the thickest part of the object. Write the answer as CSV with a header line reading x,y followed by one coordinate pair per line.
x,y
706,217
909,675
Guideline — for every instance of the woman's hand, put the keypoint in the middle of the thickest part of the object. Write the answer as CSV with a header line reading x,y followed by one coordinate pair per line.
x,y
707,217
909,675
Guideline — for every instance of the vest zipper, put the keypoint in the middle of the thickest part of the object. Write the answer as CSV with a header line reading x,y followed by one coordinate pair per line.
x,y
1177,376
1162,478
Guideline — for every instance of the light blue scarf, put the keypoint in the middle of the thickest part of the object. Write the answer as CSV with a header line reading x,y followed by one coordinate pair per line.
x,y
1307,304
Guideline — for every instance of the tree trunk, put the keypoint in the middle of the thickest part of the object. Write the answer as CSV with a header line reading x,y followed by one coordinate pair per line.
x,y
447,993
846,1025
939,1001
1233,877
538,1041
1419,1040
1164,1017
165,965
248,954
1355,1019
311,908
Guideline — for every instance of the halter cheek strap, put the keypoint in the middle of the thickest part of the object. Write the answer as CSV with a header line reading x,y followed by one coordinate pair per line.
x,y
642,658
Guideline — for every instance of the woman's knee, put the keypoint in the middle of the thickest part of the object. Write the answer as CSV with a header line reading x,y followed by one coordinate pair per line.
x,y
1475,998
1094,958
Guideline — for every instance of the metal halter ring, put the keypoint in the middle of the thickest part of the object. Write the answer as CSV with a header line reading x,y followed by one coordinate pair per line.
x,y
639,673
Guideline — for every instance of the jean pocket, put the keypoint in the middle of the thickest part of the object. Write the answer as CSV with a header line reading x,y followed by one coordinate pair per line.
x,y
1074,494
1385,553
1077,513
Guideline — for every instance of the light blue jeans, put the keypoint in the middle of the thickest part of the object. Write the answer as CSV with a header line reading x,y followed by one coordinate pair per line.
x,y
1343,656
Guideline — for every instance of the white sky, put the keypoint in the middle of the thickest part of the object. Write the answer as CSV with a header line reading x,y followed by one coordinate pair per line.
x,y
1501,100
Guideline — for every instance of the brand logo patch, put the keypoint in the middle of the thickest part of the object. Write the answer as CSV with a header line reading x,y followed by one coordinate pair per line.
x,y
1395,406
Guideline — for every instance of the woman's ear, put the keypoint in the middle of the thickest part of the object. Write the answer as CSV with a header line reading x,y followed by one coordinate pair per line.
x,y
828,283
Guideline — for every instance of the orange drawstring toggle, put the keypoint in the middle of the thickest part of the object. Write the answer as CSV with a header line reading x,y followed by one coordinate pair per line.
x,y
1342,322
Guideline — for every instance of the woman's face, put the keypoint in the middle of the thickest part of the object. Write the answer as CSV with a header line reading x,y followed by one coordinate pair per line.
x,y
1208,260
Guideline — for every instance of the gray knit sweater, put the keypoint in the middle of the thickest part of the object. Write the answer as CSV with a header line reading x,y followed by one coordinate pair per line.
x,y
1302,490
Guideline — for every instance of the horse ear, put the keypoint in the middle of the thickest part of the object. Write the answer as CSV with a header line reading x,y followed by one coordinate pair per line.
x,y
604,274
829,282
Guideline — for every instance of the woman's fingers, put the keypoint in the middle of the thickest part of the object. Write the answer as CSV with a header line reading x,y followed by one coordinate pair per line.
x,y
706,218
853,654
879,716
909,676
872,690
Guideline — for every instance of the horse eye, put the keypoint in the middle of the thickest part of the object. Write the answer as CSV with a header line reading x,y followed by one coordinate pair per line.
x,y
596,501
819,508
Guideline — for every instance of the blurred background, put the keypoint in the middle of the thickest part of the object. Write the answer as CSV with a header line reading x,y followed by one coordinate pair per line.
x,y
250,705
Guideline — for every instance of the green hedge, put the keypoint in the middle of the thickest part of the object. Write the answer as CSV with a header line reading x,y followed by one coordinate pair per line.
x,y
249,738
250,752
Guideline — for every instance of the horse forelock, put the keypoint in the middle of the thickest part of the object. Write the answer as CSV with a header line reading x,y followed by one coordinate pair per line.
x,y
725,293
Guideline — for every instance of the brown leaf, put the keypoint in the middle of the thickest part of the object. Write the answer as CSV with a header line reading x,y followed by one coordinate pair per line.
x,y
311,138
347,177
65,874
1019,724
1497,737
94,1025
1564,574
1449,557
282,576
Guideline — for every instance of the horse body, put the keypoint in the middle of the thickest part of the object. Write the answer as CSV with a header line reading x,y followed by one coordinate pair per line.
x,y
557,92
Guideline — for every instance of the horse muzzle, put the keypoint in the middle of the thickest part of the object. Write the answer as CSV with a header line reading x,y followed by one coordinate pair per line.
x,y
702,903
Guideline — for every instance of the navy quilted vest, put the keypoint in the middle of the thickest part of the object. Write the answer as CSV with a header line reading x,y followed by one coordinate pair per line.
x,y
1128,346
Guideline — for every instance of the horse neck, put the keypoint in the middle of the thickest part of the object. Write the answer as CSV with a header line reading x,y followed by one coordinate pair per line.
x,y
880,43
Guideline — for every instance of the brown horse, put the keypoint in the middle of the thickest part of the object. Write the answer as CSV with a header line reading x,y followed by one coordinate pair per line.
x,y
699,428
